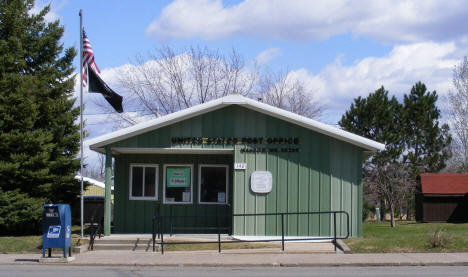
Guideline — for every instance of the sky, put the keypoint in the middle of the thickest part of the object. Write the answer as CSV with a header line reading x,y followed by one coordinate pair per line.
x,y
339,49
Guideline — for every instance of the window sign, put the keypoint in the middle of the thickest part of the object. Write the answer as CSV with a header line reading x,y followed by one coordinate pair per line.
x,y
178,177
178,184
261,181
221,197
186,196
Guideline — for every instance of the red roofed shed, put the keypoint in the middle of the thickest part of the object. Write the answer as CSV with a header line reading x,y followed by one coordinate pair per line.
x,y
442,197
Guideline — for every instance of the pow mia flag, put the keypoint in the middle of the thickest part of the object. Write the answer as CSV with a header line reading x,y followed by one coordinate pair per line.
x,y
97,85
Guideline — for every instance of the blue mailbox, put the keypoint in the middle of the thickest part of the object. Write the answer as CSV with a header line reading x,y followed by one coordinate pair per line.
x,y
56,228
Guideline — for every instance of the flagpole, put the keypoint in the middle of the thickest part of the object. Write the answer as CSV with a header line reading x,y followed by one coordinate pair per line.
x,y
81,120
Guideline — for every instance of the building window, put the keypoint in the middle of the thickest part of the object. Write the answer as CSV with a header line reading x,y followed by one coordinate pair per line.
x,y
143,182
213,184
178,184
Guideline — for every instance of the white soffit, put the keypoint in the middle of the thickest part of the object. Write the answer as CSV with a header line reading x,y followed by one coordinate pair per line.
x,y
98,143
125,150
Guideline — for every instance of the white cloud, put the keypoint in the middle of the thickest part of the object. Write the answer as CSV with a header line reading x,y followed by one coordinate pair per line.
x,y
337,85
386,20
52,15
267,55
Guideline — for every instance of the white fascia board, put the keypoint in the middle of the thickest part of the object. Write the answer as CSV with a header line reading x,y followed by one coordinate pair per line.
x,y
234,99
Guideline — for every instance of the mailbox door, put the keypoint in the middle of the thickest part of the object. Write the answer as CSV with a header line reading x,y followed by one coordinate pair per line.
x,y
51,226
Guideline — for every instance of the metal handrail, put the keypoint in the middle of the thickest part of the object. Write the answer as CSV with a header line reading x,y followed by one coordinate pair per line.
x,y
93,232
160,226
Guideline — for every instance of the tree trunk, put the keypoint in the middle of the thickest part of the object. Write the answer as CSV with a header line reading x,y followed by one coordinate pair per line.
x,y
382,210
392,215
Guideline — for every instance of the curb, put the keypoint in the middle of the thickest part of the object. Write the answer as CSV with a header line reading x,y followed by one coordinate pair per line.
x,y
358,264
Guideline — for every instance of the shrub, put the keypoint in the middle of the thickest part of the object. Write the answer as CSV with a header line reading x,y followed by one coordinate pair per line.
x,y
368,210
20,214
438,239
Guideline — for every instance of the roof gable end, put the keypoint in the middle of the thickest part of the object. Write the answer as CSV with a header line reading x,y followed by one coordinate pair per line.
x,y
234,99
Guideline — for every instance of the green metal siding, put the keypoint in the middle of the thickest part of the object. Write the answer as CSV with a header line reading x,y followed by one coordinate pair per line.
x,y
325,175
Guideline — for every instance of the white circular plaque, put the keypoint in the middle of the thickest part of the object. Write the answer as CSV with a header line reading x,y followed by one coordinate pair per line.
x,y
261,181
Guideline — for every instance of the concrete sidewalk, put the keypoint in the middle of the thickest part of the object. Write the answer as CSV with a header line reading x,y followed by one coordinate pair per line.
x,y
213,259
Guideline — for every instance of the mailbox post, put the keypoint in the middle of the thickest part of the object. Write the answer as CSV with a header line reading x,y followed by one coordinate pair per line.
x,y
56,228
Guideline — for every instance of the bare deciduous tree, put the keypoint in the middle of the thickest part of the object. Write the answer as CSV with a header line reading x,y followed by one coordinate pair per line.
x,y
458,111
96,171
391,182
279,90
168,82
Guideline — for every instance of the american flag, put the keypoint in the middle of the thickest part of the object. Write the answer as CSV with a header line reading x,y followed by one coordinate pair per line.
x,y
88,59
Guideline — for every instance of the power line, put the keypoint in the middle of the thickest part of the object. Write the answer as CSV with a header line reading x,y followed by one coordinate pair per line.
x,y
111,121
113,112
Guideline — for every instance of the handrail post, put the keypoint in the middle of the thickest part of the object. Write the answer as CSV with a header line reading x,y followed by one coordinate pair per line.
x,y
153,235
282,231
219,234
162,235
91,235
158,214
347,223
170,220
334,229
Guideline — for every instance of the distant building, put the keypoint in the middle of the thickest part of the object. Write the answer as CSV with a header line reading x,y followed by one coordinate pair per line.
x,y
94,199
95,188
442,198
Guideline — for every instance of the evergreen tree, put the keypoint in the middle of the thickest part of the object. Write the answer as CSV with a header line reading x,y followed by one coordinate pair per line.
x,y
378,118
38,138
427,144
410,131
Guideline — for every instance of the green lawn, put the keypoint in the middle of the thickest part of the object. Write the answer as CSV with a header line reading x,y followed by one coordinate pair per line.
x,y
409,237
23,244
30,244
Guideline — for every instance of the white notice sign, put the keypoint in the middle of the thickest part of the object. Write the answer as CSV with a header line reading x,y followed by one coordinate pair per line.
x,y
221,197
261,181
186,196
